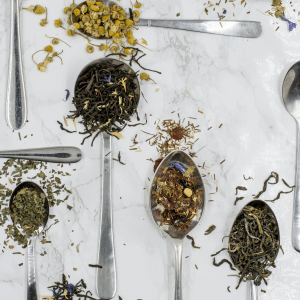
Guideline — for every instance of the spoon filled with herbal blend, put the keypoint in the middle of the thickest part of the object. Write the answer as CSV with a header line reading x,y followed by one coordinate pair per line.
x,y
29,211
253,245
107,94
177,201
107,20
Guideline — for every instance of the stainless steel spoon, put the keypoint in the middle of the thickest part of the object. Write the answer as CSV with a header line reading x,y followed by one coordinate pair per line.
x,y
245,29
16,107
31,273
177,235
51,154
106,276
263,205
291,99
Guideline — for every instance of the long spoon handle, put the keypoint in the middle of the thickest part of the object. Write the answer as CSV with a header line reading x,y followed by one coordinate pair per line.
x,y
16,110
51,154
31,281
245,29
178,268
106,276
296,213
253,291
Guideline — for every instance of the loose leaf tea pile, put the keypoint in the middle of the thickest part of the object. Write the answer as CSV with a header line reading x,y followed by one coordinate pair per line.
x,y
28,210
254,243
106,97
65,290
16,171
177,196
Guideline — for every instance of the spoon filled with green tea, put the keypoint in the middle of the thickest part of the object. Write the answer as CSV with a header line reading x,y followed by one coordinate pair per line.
x,y
177,201
29,211
253,245
291,99
106,19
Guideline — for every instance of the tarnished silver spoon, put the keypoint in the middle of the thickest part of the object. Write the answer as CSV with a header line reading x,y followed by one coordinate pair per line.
x,y
31,273
263,205
245,29
291,99
176,234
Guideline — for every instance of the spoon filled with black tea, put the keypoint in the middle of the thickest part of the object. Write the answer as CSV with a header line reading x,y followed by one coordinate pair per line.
x,y
177,201
29,211
253,245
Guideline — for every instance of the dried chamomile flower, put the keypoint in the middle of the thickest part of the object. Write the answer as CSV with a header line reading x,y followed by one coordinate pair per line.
x,y
132,41
76,12
37,9
44,22
41,67
114,49
128,34
136,13
89,49
137,4
83,9
128,51
56,41
276,2
58,23
71,32
128,22
48,49
106,47
146,77
66,9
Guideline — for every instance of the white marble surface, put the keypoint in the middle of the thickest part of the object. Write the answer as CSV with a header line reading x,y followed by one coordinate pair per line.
x,y
234,81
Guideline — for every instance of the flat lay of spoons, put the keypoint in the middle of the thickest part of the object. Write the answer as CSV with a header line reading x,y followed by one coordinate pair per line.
x,y
16,106
177,234
245,29
253,295
31,269
291,99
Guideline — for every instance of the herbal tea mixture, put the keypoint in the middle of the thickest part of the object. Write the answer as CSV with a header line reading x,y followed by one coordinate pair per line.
x,y
16,171
106,96
28,210
177,196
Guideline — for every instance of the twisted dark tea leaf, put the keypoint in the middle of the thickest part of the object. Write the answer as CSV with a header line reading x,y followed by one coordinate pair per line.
x,y
106,96
254,242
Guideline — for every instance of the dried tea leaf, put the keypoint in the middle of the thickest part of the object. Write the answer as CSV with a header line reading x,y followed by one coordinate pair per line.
x,y
210,229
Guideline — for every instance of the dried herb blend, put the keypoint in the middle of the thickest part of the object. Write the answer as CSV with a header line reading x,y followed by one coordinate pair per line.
x,y
50,180
106,96
177,196
254,243
28,210
65,290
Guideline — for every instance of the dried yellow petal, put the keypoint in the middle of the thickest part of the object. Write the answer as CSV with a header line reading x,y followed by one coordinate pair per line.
x,y
137,4
188,192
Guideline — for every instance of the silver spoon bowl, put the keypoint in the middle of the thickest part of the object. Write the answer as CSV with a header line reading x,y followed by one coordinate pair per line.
x,y
176,234
291,99
245,29
263,205
31,274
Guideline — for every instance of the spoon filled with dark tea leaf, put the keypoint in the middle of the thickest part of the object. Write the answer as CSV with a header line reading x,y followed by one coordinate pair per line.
x,y
253,245
29,211
88,11
107,94
291,99
177,201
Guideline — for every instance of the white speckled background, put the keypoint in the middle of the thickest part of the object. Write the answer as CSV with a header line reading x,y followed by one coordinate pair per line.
x,y
234,81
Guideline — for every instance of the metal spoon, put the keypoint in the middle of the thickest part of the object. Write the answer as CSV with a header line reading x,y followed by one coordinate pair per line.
x,y
31,273
291,99
16,107
175,234
51,154
245,29
106,276
262,205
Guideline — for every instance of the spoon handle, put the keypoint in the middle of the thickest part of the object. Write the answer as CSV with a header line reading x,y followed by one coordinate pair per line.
x,y
296,212
245,29
178,268
51,154
31,281
253,291
16,110
106,276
